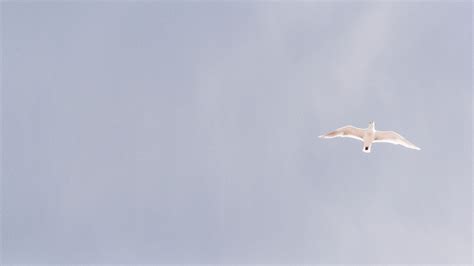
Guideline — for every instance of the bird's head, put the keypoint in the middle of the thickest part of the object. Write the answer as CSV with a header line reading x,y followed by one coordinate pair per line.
x,y
372,124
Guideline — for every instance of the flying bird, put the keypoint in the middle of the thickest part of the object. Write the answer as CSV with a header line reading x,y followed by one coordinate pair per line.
x,y
369,136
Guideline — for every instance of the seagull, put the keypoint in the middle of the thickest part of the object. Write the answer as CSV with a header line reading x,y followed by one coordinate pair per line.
x,y
369,136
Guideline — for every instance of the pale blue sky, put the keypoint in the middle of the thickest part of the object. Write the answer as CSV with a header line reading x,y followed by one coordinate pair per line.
x,y
158,132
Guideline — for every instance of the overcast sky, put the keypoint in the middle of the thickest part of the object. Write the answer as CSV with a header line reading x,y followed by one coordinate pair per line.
x,y
159,132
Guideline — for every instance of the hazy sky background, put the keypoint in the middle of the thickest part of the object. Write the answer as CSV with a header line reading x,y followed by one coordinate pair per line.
x,y
156,132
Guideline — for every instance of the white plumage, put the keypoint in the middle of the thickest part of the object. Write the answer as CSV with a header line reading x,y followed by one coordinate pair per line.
x,y
369,136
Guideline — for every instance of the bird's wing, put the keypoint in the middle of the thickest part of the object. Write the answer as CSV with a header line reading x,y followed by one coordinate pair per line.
x,y
394,138
345,132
